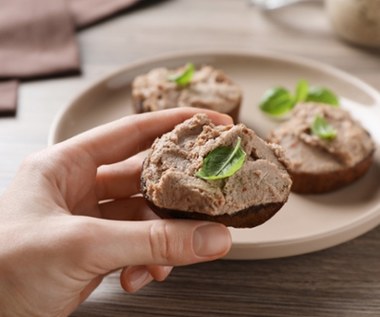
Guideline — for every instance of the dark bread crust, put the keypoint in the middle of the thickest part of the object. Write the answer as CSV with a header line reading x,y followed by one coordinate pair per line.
x,y
247,218
234,114
318,183
137,104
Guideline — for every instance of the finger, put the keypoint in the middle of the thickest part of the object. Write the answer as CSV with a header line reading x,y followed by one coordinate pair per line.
x,y
119,180
90,288
120,139
159,272
134,208
117,244
134,278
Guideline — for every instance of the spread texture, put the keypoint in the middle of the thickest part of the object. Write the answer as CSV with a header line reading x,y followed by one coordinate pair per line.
x,y
169,173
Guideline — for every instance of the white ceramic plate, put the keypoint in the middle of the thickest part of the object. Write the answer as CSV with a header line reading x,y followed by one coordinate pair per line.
x,y
306,223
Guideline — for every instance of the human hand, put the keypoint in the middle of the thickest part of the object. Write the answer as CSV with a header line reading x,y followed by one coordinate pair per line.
x,y
71,216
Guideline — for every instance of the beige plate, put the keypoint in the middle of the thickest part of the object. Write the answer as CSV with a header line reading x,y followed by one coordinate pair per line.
x,y
305,223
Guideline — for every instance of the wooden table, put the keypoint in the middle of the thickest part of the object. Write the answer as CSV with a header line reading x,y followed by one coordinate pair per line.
x,y
341,281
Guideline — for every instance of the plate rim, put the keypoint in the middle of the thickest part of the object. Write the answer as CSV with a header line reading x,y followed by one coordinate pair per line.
x,y
369,214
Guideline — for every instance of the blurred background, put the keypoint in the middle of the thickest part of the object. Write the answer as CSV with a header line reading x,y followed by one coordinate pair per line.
x,y
342,281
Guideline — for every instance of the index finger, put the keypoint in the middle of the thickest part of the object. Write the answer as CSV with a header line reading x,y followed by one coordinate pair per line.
x,y
120,139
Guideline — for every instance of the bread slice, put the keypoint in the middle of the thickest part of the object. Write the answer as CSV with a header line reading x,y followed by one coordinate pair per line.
x,y
248,198
319,165
209,88
247,218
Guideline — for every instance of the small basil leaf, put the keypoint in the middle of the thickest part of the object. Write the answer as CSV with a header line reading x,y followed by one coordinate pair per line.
x,y
183,78
302,90
323,95
321,128
277,101
222,162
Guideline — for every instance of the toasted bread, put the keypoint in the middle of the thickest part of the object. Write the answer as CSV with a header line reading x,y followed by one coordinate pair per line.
x,y
248,198
318,165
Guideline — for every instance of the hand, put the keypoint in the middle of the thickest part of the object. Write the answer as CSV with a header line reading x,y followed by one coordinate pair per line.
x,y
71,216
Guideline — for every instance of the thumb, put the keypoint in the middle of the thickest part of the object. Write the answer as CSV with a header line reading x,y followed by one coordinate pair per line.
x,y
118,244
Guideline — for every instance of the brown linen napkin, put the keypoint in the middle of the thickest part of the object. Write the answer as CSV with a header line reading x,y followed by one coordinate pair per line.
x,y
86,12
37,39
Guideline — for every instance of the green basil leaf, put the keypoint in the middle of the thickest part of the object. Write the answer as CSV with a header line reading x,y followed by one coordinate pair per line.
x,y
323,95
302,90
222,162
277,101
323,129
183,78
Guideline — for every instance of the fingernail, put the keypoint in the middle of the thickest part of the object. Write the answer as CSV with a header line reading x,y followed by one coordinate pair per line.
x,y
138,278
167,269
211,240
164,273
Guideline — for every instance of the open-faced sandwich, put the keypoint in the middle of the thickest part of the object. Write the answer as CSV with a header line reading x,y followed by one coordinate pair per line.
x,y
325,147
186,86
225,174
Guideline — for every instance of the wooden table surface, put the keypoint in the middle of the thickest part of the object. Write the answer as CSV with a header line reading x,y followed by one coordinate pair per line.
x,y
340,281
